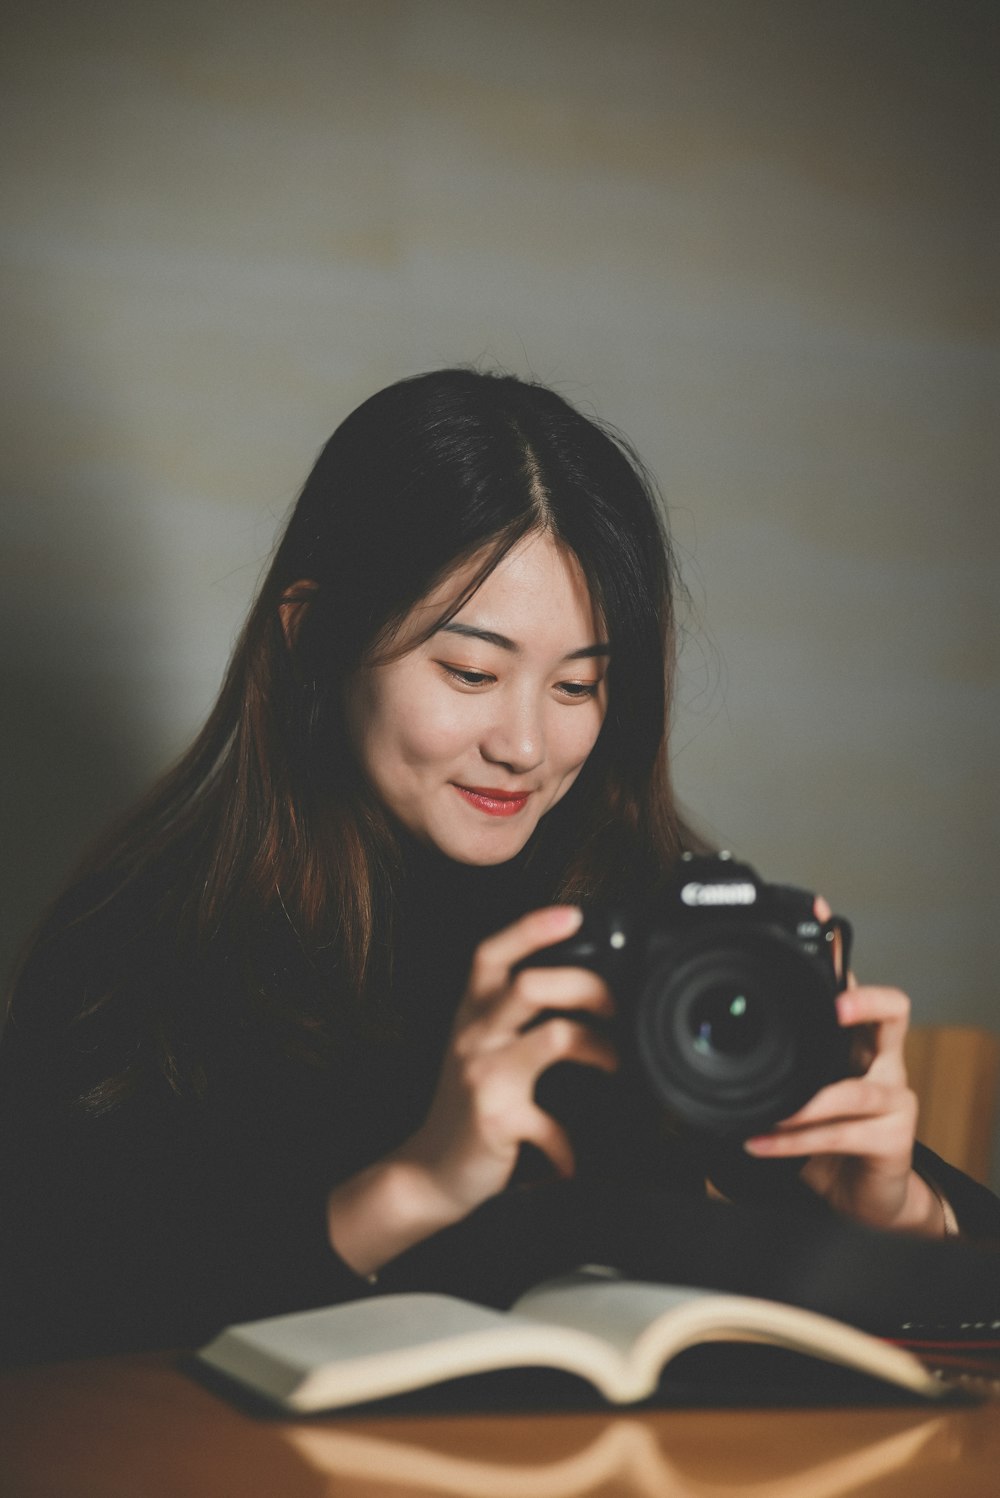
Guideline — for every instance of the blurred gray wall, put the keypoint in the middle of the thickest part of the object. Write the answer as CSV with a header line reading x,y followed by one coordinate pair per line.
x,y
758,235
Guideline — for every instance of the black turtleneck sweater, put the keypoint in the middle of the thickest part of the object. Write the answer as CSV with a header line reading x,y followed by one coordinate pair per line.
x,y
174,1212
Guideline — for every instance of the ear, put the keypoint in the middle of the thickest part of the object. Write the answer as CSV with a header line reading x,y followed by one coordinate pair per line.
x,y
292,608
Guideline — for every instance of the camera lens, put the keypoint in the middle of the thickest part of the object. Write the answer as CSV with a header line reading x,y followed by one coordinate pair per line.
x,y
736,1028
726,1020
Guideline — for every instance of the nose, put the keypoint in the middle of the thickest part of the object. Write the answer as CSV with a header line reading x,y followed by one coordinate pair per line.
x,y
515,736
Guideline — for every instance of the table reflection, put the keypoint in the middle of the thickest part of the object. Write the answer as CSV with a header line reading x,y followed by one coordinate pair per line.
x,y
627,1456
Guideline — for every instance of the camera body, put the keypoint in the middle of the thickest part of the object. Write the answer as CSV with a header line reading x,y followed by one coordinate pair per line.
x,y
724,994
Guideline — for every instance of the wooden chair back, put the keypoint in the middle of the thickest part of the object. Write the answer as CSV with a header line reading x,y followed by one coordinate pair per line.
x,y
955,1071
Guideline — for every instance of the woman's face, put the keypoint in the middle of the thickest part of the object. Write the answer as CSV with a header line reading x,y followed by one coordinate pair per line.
x,y
471,736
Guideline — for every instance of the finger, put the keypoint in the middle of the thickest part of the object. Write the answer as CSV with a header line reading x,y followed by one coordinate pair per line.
x,y
489,1023
872,1005
495,957
886,1008
564,1040
821,909
888,1137
540,1129
536,989
857,1097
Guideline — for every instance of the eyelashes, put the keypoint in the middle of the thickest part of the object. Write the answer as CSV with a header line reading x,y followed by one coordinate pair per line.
x,y
573,691
467,678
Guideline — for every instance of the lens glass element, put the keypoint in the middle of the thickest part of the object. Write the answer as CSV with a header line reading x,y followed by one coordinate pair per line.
x,y
726,1020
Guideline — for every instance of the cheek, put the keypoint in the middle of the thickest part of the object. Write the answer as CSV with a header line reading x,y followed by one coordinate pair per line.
x,y
416,730
578,737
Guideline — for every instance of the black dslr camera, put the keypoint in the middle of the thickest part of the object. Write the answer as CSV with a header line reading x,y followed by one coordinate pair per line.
x,y
725,994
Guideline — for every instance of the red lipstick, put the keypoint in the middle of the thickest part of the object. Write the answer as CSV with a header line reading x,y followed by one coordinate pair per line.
x,y
493,802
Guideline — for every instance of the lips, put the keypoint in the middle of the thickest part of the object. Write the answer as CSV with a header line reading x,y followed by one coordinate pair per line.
x,y
495,803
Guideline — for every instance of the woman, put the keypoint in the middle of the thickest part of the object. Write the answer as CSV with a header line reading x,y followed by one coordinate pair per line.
x,y
269,1044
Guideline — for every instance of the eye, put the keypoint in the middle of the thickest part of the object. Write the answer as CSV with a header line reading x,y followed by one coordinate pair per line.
x,y
466,677
579,690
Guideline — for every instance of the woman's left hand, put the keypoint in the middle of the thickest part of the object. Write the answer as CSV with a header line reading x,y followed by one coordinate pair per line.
x,y
858,1133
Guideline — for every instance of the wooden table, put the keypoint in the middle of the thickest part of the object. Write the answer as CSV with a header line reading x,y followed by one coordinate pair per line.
x,y
140,1427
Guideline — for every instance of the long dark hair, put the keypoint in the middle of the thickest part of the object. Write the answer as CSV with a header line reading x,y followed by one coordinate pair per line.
x,y
267,811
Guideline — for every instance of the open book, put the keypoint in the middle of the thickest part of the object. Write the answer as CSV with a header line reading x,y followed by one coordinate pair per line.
x,y
618,1334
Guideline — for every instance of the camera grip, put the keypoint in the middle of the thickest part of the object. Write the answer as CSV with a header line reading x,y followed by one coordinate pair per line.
x,y
603,944
581,950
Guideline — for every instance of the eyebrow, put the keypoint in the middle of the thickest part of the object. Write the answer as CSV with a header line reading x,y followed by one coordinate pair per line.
x,y
502,642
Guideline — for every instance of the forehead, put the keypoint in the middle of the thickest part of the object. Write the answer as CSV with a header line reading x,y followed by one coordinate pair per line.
x,y
538,586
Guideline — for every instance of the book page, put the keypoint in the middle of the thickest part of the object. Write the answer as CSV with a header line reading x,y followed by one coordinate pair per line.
x,y
391,1344
648,1324
275,1355
604,1304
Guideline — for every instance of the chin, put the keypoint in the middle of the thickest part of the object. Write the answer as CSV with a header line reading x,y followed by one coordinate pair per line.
x,y
482,852
482,858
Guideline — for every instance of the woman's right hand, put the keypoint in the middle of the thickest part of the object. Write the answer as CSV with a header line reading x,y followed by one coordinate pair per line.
x,y
483,1108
